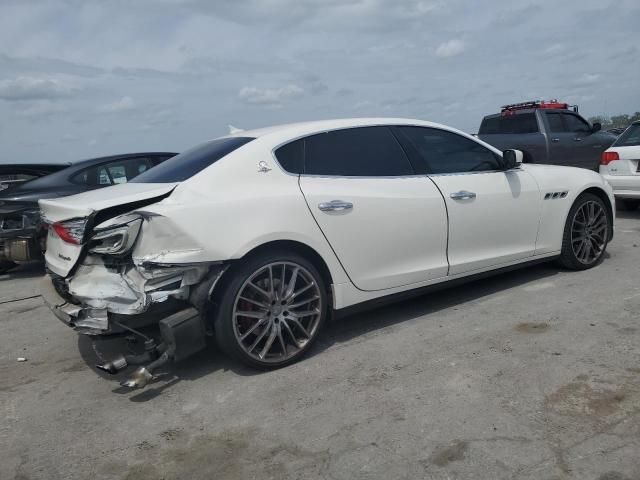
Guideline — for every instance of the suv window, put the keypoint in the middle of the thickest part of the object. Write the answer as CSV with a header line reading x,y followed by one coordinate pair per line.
x,y
518,123
448,152
194,160
574,123
556,125
356,152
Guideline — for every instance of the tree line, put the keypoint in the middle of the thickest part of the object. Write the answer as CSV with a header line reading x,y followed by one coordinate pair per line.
x,y
615,121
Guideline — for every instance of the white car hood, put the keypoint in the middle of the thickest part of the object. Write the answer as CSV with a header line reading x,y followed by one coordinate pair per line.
x,y
84,204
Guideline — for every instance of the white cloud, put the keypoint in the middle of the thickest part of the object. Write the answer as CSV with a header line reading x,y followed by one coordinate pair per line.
x,y
450,48
588,78
270,96
29,88
122,105
40,109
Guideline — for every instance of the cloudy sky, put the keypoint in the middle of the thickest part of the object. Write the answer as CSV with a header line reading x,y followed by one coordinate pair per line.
x,y
83,78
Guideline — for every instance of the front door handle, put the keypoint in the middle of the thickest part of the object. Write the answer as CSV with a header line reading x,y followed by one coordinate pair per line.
x,y
335,206
555,139
577,139
462,195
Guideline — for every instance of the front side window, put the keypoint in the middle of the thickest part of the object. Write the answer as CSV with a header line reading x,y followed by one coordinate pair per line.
x,y
447,152
194,160
629,138
575,124
555,123
356,152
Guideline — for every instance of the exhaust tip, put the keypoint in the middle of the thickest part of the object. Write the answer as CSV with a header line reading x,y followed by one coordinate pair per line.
x,y
114,366
138,379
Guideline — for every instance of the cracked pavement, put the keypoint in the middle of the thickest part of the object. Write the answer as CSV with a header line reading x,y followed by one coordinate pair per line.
x,y
533,374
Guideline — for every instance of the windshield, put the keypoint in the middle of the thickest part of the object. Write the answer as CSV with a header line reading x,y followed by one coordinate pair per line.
x,y
630,137
194,160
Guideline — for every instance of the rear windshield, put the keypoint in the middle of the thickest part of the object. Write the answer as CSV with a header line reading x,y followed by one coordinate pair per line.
x,y
518,123
194,160
630,137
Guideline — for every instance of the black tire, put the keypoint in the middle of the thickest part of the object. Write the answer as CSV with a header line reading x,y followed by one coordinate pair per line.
x,y
568,257
628,204
226,328
6,265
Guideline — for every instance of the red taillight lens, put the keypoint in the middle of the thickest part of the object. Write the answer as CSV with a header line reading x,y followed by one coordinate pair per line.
x,y
64,234
608,157
71,231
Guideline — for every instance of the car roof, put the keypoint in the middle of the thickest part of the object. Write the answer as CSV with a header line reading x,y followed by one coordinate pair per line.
x,y
294,130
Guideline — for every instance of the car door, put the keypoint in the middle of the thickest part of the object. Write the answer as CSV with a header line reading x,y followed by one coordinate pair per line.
x,y
571,142
587,145
387,225
493,214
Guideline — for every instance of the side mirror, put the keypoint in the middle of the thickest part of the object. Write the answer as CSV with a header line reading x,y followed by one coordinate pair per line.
x,y
597,126
512,158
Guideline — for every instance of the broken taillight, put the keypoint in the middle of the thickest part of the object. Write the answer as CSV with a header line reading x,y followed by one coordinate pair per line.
x,y
71,231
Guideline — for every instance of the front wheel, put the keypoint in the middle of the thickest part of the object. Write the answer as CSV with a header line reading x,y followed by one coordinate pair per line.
x,y
586,233
271,309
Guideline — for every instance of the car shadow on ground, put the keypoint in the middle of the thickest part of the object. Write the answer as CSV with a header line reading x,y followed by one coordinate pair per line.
x,y
340,330
24,271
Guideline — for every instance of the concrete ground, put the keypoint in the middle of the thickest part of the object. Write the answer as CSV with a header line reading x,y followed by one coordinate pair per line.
x,y
533,374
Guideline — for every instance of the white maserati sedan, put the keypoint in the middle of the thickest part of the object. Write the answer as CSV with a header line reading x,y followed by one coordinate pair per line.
x,y
256,237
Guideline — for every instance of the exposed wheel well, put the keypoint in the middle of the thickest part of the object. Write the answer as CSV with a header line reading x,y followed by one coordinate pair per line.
x,y
288,245
600,193
298,247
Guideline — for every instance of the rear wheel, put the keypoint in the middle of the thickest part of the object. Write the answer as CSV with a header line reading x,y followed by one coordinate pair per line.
x,y
586,233
271,310
628,204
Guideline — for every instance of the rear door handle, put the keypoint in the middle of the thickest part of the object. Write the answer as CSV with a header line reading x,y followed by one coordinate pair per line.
x,y
555,139
335,206
577,139
462,195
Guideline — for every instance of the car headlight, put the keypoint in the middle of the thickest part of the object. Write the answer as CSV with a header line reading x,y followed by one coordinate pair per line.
x,y
117,239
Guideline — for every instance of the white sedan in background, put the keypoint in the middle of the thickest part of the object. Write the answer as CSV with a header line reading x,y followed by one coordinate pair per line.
x,y
620,166
260,234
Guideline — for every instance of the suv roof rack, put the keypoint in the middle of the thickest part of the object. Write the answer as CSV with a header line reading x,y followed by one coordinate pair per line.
x,y
533,104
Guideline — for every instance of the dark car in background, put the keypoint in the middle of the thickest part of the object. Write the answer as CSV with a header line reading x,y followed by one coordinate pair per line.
x,y
22,234
547,132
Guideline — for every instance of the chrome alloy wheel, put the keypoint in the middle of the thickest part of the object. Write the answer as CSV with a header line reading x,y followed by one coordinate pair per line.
x,y
589,232
277,312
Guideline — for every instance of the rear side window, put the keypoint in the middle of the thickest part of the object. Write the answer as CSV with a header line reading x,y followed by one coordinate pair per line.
x,y
291,156
556,125
194,160
356,152
519,123
448,152
629,138
112,173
